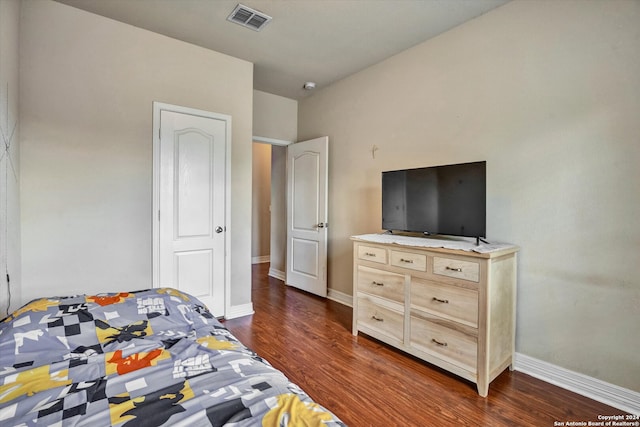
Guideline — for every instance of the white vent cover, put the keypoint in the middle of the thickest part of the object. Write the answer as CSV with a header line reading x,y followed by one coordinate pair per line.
x,y
249,18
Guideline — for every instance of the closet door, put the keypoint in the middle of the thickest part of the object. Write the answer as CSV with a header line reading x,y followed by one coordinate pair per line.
x,y
192,204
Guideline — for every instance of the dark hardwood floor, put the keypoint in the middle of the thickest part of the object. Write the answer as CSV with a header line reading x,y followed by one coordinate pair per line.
x,y
367,383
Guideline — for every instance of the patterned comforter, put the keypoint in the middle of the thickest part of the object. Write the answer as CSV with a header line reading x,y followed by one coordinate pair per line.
x,y
145,358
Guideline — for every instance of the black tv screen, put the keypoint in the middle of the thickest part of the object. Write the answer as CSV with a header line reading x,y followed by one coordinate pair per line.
x,y
448,199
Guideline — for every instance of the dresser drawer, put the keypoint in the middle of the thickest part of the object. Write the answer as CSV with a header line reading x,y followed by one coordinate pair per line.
x,y
371,253
409,260
451,345
465,270
447,301
380,319
381,283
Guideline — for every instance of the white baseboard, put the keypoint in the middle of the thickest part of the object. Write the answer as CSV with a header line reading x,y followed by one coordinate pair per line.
x,y
260,259
337,296
593,388
340,297
277,274
239,310
609,394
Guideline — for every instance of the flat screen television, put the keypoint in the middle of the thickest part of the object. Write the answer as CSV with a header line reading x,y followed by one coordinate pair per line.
x,y
446,200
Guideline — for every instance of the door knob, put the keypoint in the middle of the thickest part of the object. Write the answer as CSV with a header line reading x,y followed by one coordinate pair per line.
x,y
219,229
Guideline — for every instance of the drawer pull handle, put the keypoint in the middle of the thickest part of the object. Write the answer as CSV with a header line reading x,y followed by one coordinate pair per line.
x,y
454,269
442,344
408,261
376,318
370,254
377,283
444,301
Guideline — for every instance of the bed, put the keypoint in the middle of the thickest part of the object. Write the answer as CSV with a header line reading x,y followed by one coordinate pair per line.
x,y
144,358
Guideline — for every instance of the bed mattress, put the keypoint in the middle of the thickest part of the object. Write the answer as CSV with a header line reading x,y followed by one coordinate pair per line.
x,y
144,358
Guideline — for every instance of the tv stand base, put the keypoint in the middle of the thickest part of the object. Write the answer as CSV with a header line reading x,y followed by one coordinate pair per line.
x,y
480,239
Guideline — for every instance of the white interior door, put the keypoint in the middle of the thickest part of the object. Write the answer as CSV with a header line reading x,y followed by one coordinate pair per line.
x,y
191,201
307,221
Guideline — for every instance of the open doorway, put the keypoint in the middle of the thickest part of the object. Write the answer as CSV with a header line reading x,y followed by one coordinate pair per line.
x,y
269,209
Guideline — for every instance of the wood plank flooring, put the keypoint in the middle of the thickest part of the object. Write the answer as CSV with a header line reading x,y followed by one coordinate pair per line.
x,y
367,383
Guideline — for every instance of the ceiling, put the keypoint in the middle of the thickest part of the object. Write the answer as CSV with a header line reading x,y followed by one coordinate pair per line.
x,y
307,40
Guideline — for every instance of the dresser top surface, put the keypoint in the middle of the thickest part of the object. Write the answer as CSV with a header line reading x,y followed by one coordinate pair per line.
x,y
446,245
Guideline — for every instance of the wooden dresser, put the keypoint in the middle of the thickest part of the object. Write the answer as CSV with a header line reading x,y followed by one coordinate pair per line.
x,y
453,308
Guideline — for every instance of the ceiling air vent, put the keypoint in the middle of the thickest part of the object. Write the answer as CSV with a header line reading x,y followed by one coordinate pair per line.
x,y
249,18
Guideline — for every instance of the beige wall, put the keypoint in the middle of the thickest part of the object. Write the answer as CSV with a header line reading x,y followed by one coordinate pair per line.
x,y
261,202
548,94
10,259
86,92
275,117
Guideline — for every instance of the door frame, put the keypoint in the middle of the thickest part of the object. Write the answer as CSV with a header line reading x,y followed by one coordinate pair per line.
x,y
282,275
277,274
158,107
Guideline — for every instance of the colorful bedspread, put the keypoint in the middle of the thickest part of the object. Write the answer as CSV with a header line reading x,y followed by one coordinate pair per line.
x,y
145,358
